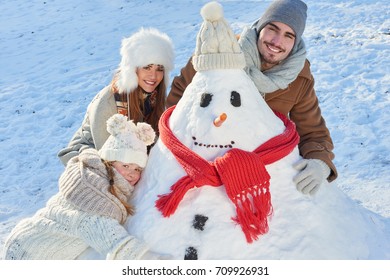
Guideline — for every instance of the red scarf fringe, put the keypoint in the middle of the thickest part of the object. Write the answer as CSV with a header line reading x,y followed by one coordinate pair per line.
x,y
252,214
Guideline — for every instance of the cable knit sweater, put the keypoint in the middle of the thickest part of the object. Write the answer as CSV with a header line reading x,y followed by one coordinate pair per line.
x,y
82,215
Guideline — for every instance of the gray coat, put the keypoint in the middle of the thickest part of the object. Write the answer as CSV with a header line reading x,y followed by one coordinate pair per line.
x,y
93,131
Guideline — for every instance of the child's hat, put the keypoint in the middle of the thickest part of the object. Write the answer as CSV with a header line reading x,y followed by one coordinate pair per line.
x,y
128,142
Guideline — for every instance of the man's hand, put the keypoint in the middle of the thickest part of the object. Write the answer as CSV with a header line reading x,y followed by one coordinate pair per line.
x,y
312,173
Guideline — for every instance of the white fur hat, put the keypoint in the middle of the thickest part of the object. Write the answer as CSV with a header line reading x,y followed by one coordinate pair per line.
x,y
128,142
147,46
216,44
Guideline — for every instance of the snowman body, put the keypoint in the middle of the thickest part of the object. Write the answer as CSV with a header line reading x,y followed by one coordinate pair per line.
x,y
300,227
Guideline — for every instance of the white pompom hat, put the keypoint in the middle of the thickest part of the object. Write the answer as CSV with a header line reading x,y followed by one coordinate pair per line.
x,y
147,46
128,142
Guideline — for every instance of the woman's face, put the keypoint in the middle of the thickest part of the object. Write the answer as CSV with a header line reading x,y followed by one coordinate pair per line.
x,y
150,76
130,171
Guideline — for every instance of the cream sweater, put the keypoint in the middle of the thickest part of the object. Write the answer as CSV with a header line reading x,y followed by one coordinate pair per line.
x,y
82,215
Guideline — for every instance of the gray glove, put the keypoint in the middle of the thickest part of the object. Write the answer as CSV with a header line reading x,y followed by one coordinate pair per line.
x,y
312,173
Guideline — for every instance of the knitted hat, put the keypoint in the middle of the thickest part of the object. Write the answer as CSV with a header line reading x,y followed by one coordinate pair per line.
x,y
127,142
216,45
147,46
290,12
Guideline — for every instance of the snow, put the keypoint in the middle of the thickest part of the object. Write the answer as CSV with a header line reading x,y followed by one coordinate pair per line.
x,y
56,55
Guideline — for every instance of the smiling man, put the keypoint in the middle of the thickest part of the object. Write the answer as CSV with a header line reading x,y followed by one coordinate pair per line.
x,y
276,61
275,43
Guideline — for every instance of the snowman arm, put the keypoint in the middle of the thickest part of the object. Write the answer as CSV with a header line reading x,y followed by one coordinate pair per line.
x,y
180,83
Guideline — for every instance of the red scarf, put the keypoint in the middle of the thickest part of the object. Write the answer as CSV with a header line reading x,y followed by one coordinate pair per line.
x,y
243,173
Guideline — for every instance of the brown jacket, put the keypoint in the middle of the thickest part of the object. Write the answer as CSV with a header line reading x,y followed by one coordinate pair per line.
x,y
298,101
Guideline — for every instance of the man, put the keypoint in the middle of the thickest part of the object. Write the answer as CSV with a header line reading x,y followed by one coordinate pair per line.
x,y
276,61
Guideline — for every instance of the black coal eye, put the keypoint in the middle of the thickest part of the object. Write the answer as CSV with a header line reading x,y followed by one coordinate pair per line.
x,y
235,99
205,99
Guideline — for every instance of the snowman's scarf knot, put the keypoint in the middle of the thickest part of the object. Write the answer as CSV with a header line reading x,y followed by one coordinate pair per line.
x,y
243,173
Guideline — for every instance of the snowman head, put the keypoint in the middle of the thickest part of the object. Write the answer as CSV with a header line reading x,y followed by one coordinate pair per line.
x,y
221,108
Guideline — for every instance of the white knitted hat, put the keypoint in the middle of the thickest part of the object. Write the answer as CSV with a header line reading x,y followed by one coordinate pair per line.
x,y
128,142
147,46
216,44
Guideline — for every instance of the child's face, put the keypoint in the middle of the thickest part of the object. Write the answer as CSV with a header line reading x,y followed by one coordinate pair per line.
x,y
130,171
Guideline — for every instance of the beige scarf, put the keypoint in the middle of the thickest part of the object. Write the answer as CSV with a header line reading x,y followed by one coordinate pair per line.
x,y
279,76
85,185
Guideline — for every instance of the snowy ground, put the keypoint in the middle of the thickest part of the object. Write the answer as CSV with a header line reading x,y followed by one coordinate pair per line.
x,y
56,55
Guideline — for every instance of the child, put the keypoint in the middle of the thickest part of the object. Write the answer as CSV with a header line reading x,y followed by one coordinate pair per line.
x,y
91,207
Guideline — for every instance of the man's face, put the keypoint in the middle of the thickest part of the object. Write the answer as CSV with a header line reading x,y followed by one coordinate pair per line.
x,y
275,43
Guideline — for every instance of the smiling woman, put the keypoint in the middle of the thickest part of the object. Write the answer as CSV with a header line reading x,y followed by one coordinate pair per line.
x,y
50,79
150,76
137,90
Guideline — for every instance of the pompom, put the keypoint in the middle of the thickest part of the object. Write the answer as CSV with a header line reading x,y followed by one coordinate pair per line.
x,y
212,11
116,124
146,133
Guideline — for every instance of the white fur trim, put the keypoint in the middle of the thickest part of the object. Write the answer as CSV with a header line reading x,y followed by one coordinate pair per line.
x,y
147,46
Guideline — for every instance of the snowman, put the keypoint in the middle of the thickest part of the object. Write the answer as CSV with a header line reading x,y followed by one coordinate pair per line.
x,y
218,183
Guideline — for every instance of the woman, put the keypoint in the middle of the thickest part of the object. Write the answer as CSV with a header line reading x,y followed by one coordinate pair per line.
x,y
137,90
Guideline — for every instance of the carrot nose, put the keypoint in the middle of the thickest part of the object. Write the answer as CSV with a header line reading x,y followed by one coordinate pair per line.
x,y
220,119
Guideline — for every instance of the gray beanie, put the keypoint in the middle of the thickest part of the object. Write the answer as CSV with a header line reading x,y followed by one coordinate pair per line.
x,y
216,44
290,12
